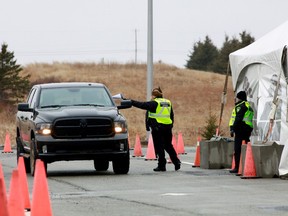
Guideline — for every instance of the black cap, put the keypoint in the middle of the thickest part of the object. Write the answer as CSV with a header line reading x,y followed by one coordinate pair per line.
x,y
242,95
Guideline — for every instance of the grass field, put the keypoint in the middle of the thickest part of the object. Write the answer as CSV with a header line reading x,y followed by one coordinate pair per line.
x,y
195,95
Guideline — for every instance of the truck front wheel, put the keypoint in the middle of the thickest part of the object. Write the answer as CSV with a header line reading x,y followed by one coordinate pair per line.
x,y
101,165
33,157
20,151
121,165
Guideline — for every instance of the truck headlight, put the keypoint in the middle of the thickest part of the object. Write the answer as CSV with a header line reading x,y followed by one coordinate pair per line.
x,y
120,127
44,129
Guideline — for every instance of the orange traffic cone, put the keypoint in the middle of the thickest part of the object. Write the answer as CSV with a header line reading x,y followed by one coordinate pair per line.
x,y
15,205
24,183
40,196
174,144
7,145
150,155
129,146
197,156
233,162
3,199
180,144
137,147
249,166
217,131
2,175
240,169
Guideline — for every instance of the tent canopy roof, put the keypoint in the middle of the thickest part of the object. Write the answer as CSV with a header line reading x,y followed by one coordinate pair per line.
x,y
265,50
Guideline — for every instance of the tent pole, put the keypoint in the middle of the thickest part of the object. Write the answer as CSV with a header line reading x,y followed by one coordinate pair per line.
x,y
275,101
223,98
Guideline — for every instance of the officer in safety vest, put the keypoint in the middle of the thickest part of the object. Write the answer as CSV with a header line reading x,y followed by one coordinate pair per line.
x,y
241,125
160,119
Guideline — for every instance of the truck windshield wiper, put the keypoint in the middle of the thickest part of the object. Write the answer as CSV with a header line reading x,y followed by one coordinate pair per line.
x,y
52,106
96,105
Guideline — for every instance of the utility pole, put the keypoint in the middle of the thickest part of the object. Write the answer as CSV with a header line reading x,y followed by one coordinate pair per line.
x,y
150,50
135,46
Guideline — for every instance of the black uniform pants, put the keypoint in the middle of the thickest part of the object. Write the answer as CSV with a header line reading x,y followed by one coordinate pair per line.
x,y
162,139
239,137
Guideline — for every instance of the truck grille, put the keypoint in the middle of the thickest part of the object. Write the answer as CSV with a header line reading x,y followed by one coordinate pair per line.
x,y
83,128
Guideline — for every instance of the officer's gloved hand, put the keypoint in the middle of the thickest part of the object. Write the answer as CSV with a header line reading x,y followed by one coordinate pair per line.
x,y
232,133
123,98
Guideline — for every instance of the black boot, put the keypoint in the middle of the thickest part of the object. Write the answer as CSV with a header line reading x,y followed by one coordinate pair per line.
x,y
177,165
160,169
234,171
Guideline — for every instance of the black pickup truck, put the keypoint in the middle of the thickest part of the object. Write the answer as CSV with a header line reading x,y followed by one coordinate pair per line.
x,y
73,121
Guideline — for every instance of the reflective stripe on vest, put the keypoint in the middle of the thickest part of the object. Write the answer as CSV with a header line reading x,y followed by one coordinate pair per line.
x,y
163,110
248,116
232,119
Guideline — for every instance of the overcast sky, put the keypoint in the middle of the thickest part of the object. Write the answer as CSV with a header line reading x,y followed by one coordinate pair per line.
x,y
105,30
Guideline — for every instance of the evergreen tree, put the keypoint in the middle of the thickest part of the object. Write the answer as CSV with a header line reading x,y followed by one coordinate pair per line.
x,y
204,53
246,39
12,85
207,57
229,46
210,128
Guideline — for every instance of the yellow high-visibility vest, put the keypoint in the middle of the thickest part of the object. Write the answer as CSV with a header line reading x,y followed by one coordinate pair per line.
x,y
248,116
163,111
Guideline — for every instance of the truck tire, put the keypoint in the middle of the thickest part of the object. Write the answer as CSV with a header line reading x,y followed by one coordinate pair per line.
x,y
121,165
101,165
20,151
33,157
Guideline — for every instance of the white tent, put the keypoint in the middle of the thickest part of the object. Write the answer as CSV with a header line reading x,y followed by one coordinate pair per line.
x,y
257,69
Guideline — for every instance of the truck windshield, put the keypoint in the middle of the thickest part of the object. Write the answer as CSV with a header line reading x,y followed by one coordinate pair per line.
x,y
74,96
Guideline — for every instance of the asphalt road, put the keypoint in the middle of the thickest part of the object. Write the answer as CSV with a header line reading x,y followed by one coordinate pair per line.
x,y
76,189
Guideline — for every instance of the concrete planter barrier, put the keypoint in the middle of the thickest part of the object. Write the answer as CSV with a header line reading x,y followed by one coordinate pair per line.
x,y
266,158
216,153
